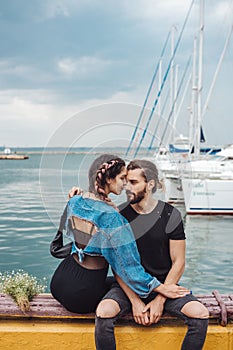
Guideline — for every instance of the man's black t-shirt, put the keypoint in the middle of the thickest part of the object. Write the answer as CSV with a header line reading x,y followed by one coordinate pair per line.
x,y
153,232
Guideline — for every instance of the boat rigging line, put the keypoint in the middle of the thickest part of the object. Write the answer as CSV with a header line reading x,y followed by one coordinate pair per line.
x,y
148,94
175,100
161,87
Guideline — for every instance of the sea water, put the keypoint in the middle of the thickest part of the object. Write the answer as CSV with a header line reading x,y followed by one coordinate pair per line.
x,y
33,193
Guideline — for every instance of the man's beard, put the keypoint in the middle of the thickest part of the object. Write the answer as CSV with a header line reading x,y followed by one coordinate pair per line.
x,y
137,198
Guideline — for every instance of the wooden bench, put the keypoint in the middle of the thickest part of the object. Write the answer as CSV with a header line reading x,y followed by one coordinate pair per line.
x,y
44,305
48,325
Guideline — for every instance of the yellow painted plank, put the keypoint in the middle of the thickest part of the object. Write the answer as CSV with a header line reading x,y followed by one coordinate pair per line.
x,y
55,335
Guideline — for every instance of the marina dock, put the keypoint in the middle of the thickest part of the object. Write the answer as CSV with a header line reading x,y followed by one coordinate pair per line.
x,y
14,156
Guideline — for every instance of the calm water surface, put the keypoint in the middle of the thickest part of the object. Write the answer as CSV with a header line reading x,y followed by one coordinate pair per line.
x,y
33,193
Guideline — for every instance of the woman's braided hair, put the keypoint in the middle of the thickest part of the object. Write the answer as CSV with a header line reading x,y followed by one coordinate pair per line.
x,y
105,167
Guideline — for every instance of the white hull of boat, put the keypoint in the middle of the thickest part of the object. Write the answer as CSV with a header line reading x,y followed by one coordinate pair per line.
x,y
208,196
212,174
173,190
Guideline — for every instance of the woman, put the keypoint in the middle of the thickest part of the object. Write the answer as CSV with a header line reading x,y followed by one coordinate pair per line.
x,y
101,236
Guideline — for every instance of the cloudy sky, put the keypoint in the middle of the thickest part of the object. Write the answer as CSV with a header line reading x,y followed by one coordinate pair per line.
x,y
62,57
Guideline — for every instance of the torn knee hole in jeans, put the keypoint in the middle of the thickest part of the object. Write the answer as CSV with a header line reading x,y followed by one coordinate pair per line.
x,y
108,309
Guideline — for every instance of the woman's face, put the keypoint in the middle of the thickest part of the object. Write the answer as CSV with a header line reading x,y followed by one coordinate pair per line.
x,y
117,184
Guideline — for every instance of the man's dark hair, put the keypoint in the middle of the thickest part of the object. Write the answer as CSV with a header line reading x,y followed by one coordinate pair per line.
x,y
149,171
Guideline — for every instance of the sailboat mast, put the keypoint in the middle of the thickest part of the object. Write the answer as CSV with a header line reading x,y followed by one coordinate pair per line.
x,y
175,97
160,82
217,71
200,81
193,108
172,79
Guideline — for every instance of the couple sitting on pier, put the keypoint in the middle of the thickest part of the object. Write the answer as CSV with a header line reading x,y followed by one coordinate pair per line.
x,y
144,243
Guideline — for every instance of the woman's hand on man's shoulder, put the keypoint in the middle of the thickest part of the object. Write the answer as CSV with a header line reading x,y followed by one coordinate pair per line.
x,y
74,191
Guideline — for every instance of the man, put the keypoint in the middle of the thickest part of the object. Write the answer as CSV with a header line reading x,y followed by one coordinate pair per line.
x,y
160,238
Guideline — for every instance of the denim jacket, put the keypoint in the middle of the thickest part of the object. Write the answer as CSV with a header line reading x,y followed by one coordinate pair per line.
x,y
114,240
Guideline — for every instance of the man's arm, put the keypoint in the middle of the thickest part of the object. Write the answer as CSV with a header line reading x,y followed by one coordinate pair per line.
x,y
156,306
177,253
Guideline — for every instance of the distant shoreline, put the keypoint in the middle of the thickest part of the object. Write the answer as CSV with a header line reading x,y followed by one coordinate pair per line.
x,y
75,150
80,152
69,152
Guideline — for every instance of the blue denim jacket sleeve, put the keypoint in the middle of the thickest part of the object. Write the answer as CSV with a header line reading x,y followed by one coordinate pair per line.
x,y
120,250
115,241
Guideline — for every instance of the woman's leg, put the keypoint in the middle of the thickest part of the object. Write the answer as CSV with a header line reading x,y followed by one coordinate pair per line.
x,y
78,289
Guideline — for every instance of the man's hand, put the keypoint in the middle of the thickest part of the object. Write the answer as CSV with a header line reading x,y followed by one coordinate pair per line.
x,y
139,315
172,291
155,309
